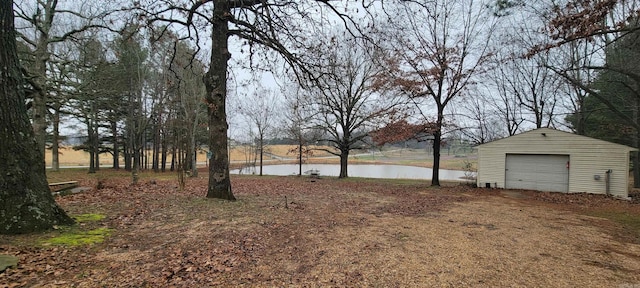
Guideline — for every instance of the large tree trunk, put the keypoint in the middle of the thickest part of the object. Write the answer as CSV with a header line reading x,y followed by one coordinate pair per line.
x,y
344,160
216,84
42,55
39,118
26,203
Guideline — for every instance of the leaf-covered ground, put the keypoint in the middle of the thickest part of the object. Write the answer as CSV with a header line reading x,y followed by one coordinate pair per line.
x,y
292,232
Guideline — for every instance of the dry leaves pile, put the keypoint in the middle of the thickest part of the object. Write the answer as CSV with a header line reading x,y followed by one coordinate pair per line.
x,y
289,231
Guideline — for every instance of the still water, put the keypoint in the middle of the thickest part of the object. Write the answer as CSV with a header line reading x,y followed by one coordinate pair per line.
x,y
368,171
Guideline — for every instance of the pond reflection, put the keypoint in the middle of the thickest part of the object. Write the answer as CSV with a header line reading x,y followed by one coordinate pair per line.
x,y
367,171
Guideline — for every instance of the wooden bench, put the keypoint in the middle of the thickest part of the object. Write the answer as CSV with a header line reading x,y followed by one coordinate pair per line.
x,y
59,186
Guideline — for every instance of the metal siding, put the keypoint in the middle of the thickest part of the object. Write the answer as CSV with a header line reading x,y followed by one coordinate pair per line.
x,y
537,172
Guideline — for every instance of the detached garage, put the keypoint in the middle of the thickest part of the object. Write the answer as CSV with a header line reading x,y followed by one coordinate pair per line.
x,y
550,160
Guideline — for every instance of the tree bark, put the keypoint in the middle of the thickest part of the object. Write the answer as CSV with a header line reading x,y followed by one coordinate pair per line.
x,y
156,146
55,141
437,139
636,142
42,57
261,144
116,147
344,161
26,203
96,147
90,147
163,161
300,143
216,85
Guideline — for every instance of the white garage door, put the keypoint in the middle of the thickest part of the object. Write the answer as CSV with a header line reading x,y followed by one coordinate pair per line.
x,y
537,172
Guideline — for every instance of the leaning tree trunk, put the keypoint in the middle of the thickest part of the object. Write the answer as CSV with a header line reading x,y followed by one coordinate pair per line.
x,y
26,203
216,84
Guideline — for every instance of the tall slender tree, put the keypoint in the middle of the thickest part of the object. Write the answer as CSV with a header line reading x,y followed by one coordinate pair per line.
x,y
26,203
444,46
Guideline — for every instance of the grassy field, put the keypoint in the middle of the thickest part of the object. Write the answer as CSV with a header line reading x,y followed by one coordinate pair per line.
x,y
70,157
295,232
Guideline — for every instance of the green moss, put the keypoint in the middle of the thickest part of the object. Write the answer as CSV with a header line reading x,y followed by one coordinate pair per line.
x,y
89,217
77,238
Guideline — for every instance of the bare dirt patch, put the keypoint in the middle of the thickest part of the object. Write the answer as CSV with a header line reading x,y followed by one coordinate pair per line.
x,y
289,231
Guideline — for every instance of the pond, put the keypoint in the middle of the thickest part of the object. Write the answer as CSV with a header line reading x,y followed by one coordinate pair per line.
x,y
367,171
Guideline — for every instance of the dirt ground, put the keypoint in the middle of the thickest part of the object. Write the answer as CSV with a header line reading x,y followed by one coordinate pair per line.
x,y
295,232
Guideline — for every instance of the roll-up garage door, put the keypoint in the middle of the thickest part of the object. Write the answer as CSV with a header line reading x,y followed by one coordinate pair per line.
x,y
537,172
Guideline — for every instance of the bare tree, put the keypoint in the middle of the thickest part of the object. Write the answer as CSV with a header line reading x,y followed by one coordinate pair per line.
x,y
578,55
504,103
299,114
535,88
478,119
261,113
445,44
350,105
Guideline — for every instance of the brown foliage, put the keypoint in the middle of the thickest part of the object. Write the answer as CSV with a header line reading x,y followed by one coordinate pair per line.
x,y
401,130
581,19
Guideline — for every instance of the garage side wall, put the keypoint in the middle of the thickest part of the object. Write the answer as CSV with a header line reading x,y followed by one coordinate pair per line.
x,y
491,167
589,159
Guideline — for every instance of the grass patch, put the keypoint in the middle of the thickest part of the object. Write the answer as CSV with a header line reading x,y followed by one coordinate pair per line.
x,y
78,235
74,237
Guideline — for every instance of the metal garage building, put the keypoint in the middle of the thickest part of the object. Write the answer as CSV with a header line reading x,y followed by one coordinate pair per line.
x,y
550,160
